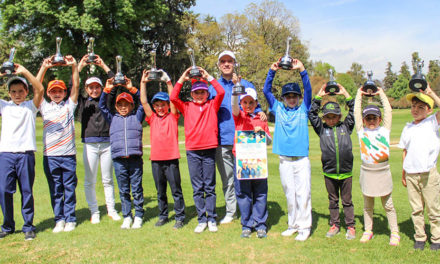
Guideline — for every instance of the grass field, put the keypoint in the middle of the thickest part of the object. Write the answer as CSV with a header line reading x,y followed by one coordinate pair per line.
x,y
107,243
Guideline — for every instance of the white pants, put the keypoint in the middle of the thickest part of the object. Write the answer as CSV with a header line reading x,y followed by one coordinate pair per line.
x,y
296,182
93,154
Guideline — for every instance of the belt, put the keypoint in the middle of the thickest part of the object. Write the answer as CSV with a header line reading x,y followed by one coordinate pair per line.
x,y
291,158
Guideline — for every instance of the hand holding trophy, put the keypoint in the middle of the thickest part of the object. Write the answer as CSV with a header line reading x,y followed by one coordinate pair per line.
x,y
418,81
369,87
331,87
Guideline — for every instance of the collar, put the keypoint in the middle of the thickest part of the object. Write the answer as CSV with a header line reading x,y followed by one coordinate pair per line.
x,y
59,104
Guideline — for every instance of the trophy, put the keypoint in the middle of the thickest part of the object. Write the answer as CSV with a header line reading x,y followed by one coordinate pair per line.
x,y
8,66
238,88
58,59
92,57
194,72
286,61
418,80
119,77
154,73
369,86
332,86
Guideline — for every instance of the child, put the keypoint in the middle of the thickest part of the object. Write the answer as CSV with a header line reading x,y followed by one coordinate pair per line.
x,y
59,152
251,194
201,141
291,142
375,175
336,157
165,153
126,149
421,144
96,141
17,147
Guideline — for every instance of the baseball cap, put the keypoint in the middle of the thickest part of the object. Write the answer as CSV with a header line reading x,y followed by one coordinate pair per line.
x,y
331,108
422,97
291,88
17,79
226,53
56,84
93,80
160,96
371,110
199,85
249,92
124,96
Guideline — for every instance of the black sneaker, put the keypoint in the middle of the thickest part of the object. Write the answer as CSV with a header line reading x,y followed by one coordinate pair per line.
x,y
4,234
261,233
246,233
29,235
178,224
161,222
420,245
435,246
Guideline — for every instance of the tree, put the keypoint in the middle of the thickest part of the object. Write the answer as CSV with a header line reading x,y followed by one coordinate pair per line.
x,y
433,70
415,59
404,71
321,69
347,81
357,73
390,77
400,88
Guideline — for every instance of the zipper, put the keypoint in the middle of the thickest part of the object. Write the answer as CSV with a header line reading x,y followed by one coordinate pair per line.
x,y
125,136
337,149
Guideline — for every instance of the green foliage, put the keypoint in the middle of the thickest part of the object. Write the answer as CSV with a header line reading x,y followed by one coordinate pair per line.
x,y
415,58
347,81
357,73
321,69
404,71
390,77
400,87
433,70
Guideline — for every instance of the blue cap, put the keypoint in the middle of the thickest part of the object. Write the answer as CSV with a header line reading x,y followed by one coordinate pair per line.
x,y
160,96
291,88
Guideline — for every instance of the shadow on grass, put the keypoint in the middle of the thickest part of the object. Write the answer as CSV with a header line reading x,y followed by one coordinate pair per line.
x,y
275,213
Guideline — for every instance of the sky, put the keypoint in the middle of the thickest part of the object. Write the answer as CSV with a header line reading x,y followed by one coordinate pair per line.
x,y
369,32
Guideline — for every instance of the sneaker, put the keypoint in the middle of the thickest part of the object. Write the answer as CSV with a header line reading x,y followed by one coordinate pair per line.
x,y
59,226
95,218
114,215
246,233
333,231
435,246
366,236
200,228
127,222
178,224
302,235
351,233
261,233
290,231
395,239
70,226
419,245
29,235
227,220
161,222
137,223
3,234
212,227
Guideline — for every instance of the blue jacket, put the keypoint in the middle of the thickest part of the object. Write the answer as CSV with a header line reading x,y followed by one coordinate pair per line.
x,y
125,131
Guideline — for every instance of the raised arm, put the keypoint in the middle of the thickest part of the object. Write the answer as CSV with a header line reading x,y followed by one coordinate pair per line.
x,y
144,99
298,65
70,61
349,119
235,105
165,78
174,96
47,63
217,86
358,110
387,110
267,89
314,118
38,87
436,99
103,101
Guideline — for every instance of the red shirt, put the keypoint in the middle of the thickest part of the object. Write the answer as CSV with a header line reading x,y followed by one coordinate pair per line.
x,y
201,126
244,122
164,136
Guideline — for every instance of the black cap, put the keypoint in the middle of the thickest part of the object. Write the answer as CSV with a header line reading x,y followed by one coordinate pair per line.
x,y
291,88
331,108
371,110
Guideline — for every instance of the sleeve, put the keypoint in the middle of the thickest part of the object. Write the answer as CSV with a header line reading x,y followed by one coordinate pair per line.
x,y
212,92
71,105
387,111
104,109
307,89
403,143
140,113
358,111
349,119
220,94
150,119
267,88
314,118
33,107
174,97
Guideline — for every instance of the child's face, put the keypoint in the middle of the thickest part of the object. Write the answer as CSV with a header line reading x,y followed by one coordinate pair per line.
x,y
18,93
57,94
124,107
372,121
199,96
291,99
161,107
331,119
94,90
248,104
419,110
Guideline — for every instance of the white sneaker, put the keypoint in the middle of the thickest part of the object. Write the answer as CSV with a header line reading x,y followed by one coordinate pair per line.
x,y
200,228
302,235
226,220
290,231
59,226
137,223
127,222
114,215
95,218
212,227
70,226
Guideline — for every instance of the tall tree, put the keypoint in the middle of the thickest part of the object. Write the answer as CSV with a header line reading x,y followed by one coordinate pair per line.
x,y
414,60
390,77
321,69
433,70
404,71
357,73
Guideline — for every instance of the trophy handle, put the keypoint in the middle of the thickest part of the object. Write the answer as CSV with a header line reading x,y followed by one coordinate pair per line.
x,y
12,54
288,46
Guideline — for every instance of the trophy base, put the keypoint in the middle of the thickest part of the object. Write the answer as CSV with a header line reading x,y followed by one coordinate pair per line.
x,y
154,75
91,59
195,74
7,69
331,88
238,90
418,84
58,62
285,65
370,90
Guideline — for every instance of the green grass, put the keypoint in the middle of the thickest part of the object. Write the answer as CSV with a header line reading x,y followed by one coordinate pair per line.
x,y
106,242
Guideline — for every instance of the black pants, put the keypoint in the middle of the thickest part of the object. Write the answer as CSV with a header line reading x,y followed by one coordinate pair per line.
x,y
334,187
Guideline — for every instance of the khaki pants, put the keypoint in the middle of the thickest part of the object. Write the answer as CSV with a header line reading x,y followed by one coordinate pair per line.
x,y
387,203
423,191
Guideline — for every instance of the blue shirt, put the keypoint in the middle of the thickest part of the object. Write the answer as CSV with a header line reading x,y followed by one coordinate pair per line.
x,y
291,136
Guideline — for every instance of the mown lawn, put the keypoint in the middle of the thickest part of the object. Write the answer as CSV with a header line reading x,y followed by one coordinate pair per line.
x,y
107,243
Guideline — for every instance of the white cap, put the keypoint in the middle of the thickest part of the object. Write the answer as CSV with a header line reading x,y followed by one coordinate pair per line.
x,y
249,92
228,53
93,80
17,79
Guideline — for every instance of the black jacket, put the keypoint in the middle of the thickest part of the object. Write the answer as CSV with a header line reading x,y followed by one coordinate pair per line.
x,y
336,158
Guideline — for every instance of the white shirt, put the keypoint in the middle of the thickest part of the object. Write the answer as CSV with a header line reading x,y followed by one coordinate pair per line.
x,y
58,128
18,126
422,143
374,144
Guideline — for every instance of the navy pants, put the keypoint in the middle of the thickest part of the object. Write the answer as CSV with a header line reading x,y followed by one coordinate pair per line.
x,y
201,165
252,202
163,171
17,167
61,176
129,174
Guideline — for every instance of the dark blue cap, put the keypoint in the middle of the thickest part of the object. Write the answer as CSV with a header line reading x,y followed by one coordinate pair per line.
x,y
160,96
291,88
